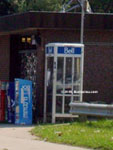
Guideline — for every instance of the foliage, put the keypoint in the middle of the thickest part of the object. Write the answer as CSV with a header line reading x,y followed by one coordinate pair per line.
x,y
56,5
92,134
105,6
12,6
5,8
37,5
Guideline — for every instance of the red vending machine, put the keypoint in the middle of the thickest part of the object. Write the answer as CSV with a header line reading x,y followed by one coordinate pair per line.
x,y
2,100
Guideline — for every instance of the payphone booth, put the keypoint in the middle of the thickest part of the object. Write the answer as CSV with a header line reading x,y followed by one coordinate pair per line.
x,y
63,78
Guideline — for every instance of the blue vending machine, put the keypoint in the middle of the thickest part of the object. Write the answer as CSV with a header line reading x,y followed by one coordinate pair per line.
x,y
23,102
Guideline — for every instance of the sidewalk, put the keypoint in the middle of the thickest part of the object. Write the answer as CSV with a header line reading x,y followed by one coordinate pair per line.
x,y
19,138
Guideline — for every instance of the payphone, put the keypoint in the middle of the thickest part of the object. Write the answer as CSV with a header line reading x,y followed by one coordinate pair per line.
x,y
63,78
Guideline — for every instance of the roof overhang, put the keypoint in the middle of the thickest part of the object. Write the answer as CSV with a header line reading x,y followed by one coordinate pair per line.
x,y
53,20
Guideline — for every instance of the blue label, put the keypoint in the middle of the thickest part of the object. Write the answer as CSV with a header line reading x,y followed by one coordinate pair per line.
x,y
69,50
50,50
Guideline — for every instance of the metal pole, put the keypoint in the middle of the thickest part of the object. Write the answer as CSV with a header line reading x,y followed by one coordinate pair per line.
x,y
82,22
45,92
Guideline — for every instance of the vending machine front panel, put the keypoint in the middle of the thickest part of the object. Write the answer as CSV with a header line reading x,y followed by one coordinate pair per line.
x,y
11,103
2,99
23,96
2,105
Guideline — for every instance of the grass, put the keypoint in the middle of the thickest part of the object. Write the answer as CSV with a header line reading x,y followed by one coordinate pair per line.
x,y
90,134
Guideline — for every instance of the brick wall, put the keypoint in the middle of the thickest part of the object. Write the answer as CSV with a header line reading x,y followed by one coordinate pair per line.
x,y
98,63
40,79
98,73
98,68
4,57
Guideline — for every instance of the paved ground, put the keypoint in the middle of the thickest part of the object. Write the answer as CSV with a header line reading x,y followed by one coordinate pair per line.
x,y
19,138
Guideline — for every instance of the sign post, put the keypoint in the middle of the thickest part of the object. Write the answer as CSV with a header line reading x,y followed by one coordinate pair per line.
x,y
82,22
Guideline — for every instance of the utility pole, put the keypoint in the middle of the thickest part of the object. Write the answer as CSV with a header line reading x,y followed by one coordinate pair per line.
x,y
82,4
82,21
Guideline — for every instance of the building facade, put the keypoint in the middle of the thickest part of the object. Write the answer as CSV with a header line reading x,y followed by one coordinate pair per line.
x,y
58,27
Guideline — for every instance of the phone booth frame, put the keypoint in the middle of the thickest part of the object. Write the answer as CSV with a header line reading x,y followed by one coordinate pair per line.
x,y
66,51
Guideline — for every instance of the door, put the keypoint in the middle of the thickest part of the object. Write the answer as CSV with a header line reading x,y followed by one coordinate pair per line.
x,y
68,83
28,69
62,85
48,100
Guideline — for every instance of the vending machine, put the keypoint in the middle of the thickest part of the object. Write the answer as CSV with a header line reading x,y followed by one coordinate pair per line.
x,y
23,102
2,100
11,102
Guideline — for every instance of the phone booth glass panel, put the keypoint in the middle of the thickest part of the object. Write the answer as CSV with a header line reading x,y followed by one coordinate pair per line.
x,y
63,78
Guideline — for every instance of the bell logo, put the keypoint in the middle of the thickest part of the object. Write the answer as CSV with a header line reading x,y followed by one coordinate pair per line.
x,y
69,50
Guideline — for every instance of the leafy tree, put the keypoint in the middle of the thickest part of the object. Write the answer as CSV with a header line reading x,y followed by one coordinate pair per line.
x,y
38,5
12,6
5,8
105,6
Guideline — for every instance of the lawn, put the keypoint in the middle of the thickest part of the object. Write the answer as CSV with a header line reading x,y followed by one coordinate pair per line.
x,y
90,134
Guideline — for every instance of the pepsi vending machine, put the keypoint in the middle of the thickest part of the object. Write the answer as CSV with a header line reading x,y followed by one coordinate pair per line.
x,y
2,100
11,102
23,102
